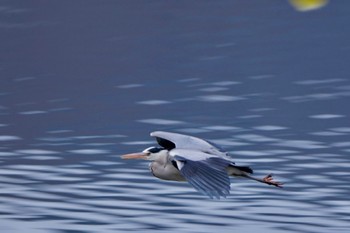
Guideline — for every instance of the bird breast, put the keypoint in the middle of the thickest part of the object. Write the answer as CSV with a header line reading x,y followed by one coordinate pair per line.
x,y
165,171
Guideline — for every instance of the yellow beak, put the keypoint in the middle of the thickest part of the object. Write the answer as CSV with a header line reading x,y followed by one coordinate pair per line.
x,y
135,156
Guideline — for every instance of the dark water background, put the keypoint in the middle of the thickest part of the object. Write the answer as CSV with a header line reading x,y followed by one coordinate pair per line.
x,y
82,82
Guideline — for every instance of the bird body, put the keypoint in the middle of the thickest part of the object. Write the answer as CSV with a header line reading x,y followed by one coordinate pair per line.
x,y
201,163
164,169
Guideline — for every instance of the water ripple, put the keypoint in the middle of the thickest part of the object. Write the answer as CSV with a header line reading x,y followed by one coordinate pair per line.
x,y
33,112
301,144
326,116
9,138
89,151
36,152
320,81
154,102
219,98
269,127
157,121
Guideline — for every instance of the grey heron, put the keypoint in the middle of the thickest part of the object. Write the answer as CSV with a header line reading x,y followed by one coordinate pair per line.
x,y
199,162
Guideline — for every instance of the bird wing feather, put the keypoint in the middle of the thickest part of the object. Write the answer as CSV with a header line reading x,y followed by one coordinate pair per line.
x,y
174,140
208,176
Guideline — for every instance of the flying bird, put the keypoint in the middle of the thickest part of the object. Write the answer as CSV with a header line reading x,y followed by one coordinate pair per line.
x,y
201,163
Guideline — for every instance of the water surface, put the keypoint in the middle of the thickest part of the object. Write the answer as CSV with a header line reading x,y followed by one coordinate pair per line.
x,y
84,82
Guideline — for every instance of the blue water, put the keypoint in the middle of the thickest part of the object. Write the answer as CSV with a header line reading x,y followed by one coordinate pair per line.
x,y
83,82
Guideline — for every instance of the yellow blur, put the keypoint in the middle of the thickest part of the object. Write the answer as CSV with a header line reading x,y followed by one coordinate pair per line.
x,y
307,5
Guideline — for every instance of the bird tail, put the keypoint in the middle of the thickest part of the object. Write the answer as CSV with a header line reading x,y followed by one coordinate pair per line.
x,y
244,169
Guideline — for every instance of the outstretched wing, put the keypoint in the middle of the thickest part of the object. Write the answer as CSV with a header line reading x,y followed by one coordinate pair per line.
x,y
180,141
208,176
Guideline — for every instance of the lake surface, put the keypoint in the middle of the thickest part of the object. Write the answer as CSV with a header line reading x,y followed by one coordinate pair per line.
x,y
83,82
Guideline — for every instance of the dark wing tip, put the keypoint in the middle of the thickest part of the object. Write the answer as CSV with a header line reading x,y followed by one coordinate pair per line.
x,y
165,143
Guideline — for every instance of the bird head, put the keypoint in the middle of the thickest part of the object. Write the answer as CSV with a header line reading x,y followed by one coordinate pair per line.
x,y
151,153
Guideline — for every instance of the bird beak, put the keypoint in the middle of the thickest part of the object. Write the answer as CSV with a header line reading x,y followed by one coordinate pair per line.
x,y
135,156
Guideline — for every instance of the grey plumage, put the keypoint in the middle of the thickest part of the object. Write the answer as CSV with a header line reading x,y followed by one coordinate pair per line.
x,y
199,162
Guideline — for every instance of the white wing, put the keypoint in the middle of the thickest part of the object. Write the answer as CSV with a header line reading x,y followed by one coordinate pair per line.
x,y
175,140
193,155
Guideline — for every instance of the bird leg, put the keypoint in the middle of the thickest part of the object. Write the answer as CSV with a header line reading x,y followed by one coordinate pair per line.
x,y
267,180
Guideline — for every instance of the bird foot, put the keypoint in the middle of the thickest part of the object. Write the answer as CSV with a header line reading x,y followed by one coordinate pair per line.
x,y
269,180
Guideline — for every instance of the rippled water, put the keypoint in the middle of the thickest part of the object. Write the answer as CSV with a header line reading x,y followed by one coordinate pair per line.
x,y
83,83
